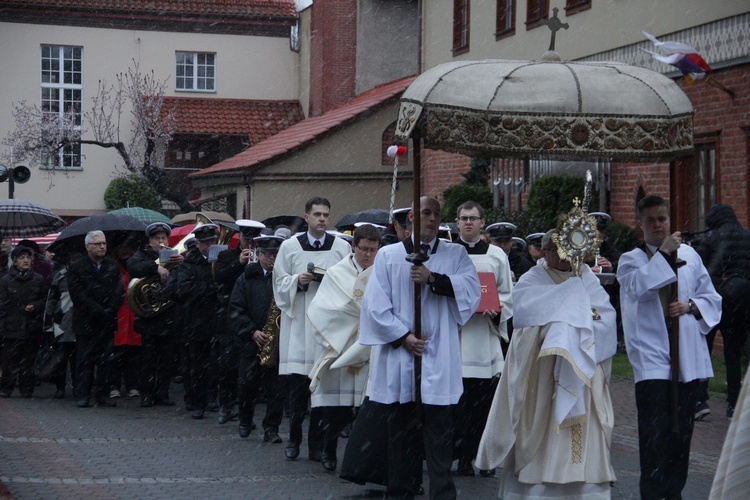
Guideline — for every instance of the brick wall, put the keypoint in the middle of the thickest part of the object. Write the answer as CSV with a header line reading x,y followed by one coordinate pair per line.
x,y
332,54
441,170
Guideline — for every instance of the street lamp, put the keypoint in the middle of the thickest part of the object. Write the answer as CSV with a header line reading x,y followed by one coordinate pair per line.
x,y
16,175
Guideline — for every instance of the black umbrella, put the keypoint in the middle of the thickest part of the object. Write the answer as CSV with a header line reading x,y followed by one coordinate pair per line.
x,y
373,216
295,223
116,227
23,219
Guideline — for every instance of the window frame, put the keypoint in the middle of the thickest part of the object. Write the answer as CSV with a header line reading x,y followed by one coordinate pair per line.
x,y
505,9
461,26
195,77
576,6
64,93
534,19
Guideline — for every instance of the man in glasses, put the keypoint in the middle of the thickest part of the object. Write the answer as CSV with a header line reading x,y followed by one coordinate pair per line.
x,y
97,294
334,314
481,353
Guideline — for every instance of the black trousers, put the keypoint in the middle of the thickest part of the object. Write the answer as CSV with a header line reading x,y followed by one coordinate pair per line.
x,y
160,355
228,370
470,416
405,446
735,322
664,455
17,365
252,377
125,367
199,351
299,395
92,366
335,419
70,359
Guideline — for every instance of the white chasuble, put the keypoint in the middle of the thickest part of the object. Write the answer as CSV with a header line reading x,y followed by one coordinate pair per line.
x,y
334,314
297,346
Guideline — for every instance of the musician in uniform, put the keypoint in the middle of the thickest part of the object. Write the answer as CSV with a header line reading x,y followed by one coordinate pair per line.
x,y
294,288
250,306
159,347
648,311
481,353
229,266
450,294
334,313
501,234
193,287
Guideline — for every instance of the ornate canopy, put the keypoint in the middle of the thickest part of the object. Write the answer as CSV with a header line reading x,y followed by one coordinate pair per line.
x,y
548,109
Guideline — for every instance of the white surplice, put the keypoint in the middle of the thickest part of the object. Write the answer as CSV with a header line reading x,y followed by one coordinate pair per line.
x,y
334,314
481,353
551,420
297,346
388,314
646,336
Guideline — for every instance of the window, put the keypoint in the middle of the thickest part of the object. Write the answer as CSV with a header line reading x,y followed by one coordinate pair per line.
x,y
506,18
196,71
703,186
536,10
62,87
575,6
461,13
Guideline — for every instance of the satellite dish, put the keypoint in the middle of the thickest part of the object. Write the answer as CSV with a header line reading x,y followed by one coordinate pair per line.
x,y
21,174
4,173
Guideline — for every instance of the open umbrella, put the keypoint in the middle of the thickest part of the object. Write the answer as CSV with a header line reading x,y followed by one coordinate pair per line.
x,y
295,223
23,218
190,217
116,228
373,216
143,214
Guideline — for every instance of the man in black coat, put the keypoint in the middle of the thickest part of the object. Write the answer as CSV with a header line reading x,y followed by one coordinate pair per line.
x,y
248,311
194,289
159,349
725,252
229,266
97,294
22,296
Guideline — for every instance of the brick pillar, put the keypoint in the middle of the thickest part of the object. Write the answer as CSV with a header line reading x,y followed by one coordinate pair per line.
x,y
333,53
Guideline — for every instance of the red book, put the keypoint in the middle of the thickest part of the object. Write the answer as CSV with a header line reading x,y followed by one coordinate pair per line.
x,y
489,300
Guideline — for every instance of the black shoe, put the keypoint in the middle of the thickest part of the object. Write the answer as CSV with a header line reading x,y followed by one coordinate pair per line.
x,y
730,411
329,462
702,410
465,468
315,455
291,452
83,403
244,430
270,436
164,402
106,403
486,472
197,414
59,394
346,431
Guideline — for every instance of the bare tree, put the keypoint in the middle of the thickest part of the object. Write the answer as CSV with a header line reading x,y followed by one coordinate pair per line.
x,y
40,135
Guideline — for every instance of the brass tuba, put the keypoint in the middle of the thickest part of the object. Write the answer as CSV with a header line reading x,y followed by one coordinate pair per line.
x,y
146,295
269,353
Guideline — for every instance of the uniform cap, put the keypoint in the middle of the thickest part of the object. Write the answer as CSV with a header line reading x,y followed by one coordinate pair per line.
x,y
535,239
158,227
501,230
401,215
249,228
206,232
269,242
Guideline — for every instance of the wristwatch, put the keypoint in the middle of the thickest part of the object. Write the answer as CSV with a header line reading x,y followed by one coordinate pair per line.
x,y
692,309
431,279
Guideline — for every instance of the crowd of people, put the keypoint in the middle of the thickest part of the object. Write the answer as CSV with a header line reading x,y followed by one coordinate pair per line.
x,y
491,350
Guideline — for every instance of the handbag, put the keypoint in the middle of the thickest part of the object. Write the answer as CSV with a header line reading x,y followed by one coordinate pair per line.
x,y
49,360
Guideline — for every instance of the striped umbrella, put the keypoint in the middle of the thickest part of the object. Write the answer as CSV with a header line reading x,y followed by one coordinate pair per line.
x,y
23,218
143,214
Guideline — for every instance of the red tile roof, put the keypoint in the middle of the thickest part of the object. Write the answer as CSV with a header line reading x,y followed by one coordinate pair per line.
x,y
242,8
256,119
304,133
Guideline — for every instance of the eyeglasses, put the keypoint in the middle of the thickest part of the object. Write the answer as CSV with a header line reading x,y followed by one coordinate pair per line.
x,y
98,244
367,250
468,218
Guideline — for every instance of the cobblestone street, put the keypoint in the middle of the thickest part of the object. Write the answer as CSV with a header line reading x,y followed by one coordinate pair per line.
x,y
51,449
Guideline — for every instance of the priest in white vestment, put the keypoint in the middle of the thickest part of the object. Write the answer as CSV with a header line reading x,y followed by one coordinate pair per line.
x,y
450,295
294,288
334,314
550,425
481,352
646,275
